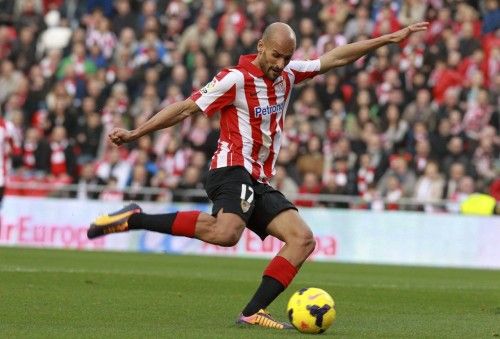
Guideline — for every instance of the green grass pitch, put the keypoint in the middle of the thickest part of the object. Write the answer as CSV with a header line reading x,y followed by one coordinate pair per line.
x,y
53,293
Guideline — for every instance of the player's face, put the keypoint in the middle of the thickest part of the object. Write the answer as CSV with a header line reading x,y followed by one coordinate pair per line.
x,y
275,57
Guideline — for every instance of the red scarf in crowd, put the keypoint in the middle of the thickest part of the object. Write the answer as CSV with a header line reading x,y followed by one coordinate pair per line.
x,y
29,155
58,158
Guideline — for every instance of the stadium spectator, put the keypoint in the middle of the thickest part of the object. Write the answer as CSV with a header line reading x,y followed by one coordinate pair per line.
x,y
491,20
284,183
478,114
311,185
393,193
23,50
455,175
199,32
421,110
190,181
465,188
307,29
309,106
440,138
138,182
437,26
422,156
112,165
456,154
10,80
102,36
233,19
412,11
60,155
398,168
330,187
88,183
484,155
174,161
445,79
111,192
124,18
89,137
336,10
286,14
365,175
332,35
77,66
429,186
394,129
28,13
29,159
306,50
361,24
55,36
342,175
342,149
312,160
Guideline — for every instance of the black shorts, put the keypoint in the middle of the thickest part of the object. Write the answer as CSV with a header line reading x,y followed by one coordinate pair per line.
x,y
236,191
2,190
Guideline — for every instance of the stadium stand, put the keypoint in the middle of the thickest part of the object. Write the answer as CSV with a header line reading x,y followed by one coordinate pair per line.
x,y
416,122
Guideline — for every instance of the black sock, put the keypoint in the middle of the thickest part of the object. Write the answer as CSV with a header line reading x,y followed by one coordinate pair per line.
x,y
268,290
161,223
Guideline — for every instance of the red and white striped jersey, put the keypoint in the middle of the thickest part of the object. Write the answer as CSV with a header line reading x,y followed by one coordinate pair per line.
x,y
253,110
8,144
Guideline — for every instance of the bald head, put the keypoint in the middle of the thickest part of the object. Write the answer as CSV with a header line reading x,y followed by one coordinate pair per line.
x,y
275,49
279,31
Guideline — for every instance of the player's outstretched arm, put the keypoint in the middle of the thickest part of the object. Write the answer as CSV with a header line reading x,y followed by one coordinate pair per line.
x,y
167,117
343,55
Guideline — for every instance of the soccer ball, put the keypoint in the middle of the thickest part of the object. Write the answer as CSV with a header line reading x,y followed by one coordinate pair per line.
x,y
311,310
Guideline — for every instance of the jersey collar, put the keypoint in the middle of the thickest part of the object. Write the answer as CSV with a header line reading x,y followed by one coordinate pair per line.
x,y
246,62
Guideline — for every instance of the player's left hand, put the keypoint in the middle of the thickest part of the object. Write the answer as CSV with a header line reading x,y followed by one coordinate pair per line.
x,y
402,34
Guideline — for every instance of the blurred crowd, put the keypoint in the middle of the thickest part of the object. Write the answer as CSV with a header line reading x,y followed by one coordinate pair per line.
x,y
414,120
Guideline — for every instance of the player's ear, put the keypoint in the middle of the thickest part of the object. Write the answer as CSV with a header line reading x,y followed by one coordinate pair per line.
x,y
260,46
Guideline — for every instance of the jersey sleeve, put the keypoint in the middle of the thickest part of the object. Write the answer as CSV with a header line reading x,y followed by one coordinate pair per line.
x,y
218,93
304,69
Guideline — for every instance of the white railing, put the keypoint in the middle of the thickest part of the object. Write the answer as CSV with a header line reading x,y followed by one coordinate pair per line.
x,y
68,190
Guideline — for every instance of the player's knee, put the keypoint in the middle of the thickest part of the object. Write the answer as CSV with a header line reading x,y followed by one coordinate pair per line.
x,y
229,238
228,230
309,243
228,234
304,239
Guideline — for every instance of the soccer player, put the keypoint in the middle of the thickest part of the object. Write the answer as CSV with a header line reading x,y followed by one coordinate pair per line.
x,y
252,99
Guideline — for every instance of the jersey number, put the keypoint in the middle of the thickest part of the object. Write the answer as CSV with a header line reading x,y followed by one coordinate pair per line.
x,y
244,189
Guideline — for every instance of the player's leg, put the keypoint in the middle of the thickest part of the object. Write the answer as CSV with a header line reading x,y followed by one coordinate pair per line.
x,y
289,227
224,227
224,230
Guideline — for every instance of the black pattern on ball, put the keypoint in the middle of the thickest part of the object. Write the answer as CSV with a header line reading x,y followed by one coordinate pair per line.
x,y
318,313
302,290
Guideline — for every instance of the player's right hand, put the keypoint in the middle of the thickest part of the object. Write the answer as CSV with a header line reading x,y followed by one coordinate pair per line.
x,y
119,136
